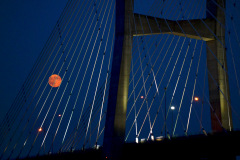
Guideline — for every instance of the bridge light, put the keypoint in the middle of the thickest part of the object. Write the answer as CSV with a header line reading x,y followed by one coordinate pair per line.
x,y
143,140
159,138
152,137
40,129
196,99
136,140
172,108
142,97
59,115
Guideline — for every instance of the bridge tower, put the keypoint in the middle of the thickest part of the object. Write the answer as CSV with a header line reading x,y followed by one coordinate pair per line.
x,y
124,32
118,91
218,94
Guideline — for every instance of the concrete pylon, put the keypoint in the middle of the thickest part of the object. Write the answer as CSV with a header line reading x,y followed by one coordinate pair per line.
x,y
219,96
118,92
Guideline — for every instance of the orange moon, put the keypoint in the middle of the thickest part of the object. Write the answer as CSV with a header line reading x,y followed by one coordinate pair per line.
x,y
54,80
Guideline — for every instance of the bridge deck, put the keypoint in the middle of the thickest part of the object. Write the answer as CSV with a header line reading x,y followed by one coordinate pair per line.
x,y
216,146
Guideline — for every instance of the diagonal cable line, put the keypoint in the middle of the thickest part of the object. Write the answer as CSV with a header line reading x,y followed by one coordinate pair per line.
x,y
64,92
170,30
177,81
99,72
51,89
28,92
45,86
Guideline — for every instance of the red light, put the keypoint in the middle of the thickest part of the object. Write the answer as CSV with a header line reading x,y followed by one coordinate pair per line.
x,y
40,129
106,157
59,115
142,97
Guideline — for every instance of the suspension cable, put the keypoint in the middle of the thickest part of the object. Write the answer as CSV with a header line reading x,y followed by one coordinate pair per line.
x,y
51,89
99,72
151,67
109,62
193,85
155,81
13,115
141,66
70,93
44,89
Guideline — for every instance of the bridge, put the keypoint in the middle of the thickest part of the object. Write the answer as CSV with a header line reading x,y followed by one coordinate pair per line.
x,y
191,147
113,83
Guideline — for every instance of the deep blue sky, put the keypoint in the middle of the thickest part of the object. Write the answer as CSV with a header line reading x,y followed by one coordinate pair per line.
x,y
25,27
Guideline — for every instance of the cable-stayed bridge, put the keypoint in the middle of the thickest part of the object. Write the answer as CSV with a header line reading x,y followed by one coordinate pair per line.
x,y
130,76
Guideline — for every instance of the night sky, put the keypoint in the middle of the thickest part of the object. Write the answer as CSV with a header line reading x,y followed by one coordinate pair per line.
x,y
26,25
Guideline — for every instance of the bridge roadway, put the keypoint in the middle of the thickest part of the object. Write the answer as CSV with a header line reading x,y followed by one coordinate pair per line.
x,y
220,146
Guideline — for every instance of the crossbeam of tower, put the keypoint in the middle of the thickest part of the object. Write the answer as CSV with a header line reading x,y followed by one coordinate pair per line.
x,y
128,25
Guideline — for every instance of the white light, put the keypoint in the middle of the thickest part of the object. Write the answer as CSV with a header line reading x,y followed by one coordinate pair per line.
x,y
137,140
143,140
172,108
159,138
152,137
97,146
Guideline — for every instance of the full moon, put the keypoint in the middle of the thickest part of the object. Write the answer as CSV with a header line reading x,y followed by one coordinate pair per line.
x,y
54,80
